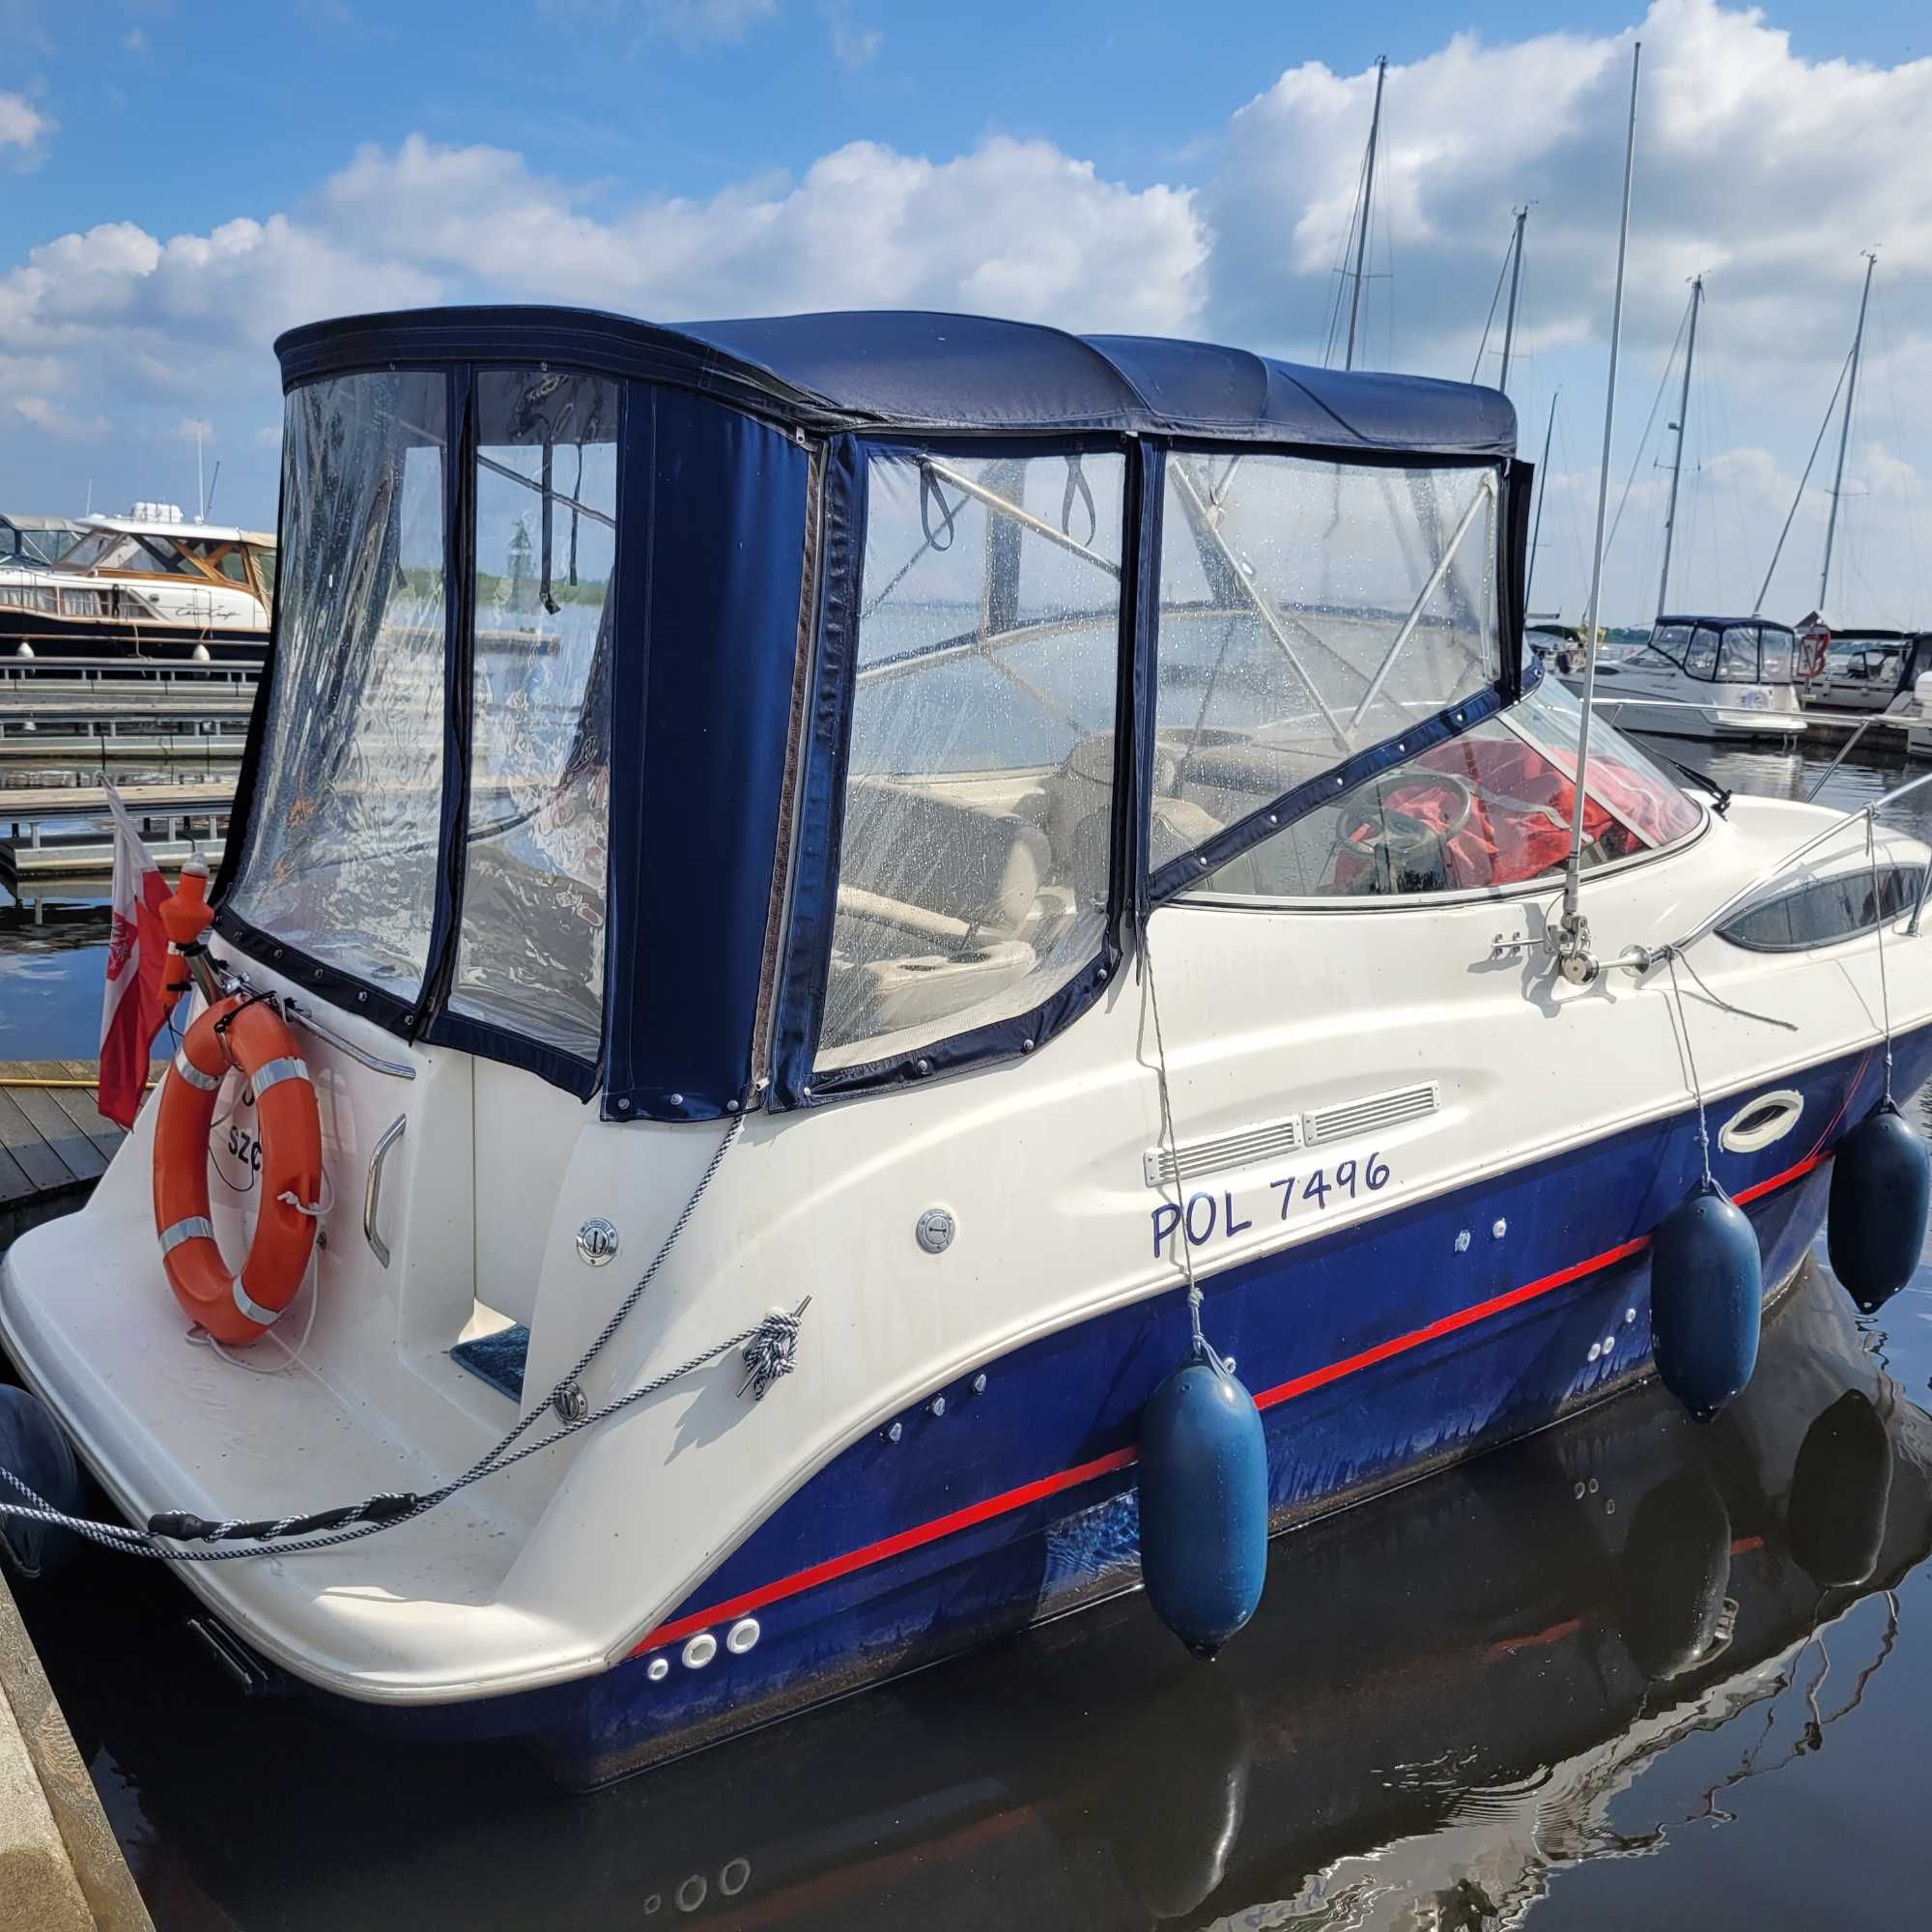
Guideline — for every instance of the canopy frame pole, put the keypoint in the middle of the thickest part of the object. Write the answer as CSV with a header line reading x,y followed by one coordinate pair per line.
x,y
1208,527
1006,507
1484,497
1570,942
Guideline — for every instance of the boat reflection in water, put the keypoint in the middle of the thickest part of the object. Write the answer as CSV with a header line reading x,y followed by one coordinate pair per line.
x,y
1439,1700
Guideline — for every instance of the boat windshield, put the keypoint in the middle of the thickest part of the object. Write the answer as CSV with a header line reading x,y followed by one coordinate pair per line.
x,y
1488,809
1309,610
120,550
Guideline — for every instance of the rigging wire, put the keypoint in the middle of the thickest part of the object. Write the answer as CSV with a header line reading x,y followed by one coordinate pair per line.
x,y
1649,423
1918,609
1350,236
1790,516
1489,321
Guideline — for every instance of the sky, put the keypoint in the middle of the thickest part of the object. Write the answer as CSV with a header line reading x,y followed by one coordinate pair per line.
x,y
181,180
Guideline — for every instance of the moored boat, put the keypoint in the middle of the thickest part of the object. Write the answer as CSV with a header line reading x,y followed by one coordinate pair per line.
x,y
980,866
149,584
1728,678
30,542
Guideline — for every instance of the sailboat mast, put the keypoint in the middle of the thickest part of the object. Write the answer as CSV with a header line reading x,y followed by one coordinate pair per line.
x,y
1845,432
1541,492
1368,201
1516,278
1677,468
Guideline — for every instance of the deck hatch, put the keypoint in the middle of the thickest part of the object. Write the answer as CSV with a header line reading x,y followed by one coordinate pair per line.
x,y
1370,1116
1163,1168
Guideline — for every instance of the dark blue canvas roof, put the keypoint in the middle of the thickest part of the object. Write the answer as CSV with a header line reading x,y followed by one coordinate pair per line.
x,y
971,374
1719,623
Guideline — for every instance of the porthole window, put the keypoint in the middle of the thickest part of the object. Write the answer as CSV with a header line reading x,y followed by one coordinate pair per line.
x,y
1823,912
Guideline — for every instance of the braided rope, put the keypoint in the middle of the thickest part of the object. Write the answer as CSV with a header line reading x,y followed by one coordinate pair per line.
x,y
769,1350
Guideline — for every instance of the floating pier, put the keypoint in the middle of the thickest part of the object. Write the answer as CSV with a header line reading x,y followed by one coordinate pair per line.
x,y
54,1142
60,1869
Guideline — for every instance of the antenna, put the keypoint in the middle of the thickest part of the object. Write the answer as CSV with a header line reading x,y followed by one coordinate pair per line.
x,y
214,484
1570,943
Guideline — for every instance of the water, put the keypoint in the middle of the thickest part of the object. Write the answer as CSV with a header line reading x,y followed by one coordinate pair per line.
x,y
1629,1670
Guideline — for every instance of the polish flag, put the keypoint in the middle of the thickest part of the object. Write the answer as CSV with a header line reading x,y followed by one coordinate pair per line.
x,y
137,959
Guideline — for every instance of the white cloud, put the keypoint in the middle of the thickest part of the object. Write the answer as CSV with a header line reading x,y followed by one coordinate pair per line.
x,y
852,45
1764,169
865,226
693,22
23,127
52,419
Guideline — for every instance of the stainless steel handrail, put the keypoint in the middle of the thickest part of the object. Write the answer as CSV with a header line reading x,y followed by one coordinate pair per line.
x,y
398,1069
371,1188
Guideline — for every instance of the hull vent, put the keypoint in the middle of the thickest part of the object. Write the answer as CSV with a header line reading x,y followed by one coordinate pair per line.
x,y
1371,1116
1241,1150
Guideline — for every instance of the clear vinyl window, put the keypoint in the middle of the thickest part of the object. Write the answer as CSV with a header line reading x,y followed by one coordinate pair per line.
x,y
530,950
1308,610
974,862
342,842
1486,810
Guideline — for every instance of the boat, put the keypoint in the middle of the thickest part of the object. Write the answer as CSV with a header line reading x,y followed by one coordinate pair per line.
x,y
991,874
151,585
1869,670
30,542
1726,678
1596,1595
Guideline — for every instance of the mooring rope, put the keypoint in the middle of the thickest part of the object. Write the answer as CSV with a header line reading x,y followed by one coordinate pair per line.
x,y
769,1349
1691,1061
1203,1350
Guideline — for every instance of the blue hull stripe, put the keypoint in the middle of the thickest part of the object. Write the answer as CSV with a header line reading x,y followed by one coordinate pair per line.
x,y
1043,1486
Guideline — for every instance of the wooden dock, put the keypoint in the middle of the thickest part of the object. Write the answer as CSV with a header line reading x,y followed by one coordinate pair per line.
x,y
201,752
22,807
54,1142
106,707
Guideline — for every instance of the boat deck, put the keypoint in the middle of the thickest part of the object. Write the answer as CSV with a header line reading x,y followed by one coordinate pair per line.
x,y
54,1142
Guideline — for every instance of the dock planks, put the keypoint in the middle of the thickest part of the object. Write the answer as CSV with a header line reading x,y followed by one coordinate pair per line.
x,y
54,1142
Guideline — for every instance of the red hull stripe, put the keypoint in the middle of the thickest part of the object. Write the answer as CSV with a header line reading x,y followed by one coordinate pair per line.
x,y
921,1534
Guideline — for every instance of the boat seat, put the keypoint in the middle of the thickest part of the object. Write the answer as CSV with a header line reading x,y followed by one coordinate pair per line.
x,y
939,901
929,864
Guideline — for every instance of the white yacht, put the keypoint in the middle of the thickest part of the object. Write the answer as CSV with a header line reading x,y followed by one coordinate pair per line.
x,y
151,584
1702,677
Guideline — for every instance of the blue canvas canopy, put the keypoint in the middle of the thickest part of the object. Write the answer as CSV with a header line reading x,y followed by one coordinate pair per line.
x,y
557,766
932,373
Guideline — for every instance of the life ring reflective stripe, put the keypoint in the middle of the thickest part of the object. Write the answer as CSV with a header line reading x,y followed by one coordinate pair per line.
x,y
251,1036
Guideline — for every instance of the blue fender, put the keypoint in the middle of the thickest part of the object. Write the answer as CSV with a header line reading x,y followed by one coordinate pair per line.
x,y
1706,1300
33,1447
1841,1494
1204,1499
1881,1186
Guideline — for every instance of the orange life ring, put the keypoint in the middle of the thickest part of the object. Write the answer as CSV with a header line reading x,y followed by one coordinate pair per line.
x,y
251,1036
